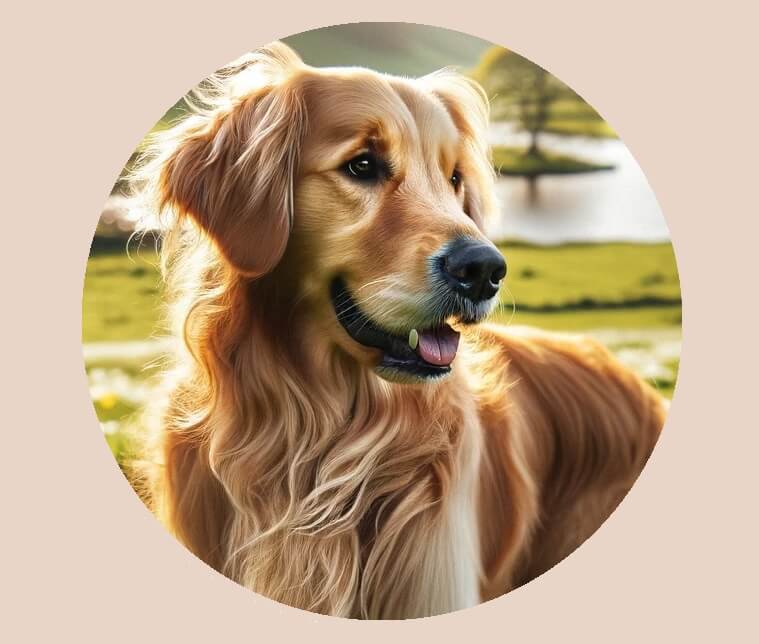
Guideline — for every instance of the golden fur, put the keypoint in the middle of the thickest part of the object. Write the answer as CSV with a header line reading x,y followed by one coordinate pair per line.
x,y
282,459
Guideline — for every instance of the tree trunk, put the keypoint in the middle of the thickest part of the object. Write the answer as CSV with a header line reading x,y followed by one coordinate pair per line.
x,y
533,149
532,189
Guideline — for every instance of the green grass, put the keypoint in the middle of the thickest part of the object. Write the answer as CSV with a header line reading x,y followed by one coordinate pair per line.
x,y
582,276
636,318
590,286
516,162
119,388
122,297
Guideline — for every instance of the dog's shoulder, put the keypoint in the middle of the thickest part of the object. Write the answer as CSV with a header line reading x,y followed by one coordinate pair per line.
x,y
520,348
559,369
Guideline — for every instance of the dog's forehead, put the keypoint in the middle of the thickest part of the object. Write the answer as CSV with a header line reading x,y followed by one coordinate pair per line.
x,y
353,103
430,114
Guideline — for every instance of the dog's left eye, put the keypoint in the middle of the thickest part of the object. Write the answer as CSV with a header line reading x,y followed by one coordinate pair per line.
x,y
364,167
456,180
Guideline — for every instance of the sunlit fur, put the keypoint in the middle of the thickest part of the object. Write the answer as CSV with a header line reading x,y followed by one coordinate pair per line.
x,y
280,457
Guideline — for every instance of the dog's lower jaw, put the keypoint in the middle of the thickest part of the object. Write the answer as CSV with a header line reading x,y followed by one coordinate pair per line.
x,y
405,378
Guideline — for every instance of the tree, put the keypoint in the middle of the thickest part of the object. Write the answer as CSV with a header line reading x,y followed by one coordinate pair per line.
x,y
536,102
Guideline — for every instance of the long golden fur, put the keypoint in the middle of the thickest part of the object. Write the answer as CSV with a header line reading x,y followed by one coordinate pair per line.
x,y
283,459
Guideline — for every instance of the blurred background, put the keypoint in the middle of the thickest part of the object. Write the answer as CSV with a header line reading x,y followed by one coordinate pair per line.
x,y
587,247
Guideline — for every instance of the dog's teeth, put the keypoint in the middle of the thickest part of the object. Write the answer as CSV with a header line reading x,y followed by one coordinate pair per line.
x,y
413,339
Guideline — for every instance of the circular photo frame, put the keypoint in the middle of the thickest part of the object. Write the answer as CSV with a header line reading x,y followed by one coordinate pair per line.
x,y
382,320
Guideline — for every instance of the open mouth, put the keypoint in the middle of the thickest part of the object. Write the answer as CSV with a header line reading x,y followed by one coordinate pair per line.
x,y
423,353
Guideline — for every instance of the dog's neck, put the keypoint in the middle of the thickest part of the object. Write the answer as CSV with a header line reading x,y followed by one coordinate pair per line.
x,y
318,453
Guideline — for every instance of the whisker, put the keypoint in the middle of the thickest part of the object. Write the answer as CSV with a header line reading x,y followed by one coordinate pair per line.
x,y
513,304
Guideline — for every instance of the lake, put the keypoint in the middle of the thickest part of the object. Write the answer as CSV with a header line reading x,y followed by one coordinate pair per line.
x,y
614,205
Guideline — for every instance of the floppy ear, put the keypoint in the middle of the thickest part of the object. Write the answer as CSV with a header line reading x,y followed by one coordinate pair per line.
x,y
232,169
468,106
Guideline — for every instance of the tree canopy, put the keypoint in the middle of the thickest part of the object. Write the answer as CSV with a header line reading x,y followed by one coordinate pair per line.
x,y
534,99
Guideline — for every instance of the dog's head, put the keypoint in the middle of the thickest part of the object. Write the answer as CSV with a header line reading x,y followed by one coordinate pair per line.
x,y
367,192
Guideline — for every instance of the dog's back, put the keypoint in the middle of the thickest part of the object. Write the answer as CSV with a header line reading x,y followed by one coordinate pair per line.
x,y
567,430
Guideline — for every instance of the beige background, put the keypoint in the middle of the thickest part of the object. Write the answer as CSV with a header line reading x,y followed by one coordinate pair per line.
x,y
83,559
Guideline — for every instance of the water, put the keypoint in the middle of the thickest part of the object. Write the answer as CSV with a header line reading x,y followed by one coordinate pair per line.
x,y
615,205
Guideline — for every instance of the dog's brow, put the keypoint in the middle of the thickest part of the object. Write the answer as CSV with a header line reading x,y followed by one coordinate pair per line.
x,y
358,143
377,144
356,146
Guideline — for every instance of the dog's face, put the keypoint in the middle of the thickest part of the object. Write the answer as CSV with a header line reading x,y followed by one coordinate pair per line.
x,y
386,221
371,192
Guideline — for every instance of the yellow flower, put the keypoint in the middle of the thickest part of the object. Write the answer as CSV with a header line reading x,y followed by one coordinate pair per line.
x,y
108,401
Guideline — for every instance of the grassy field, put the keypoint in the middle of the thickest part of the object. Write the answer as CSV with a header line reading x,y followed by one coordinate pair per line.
x,y
627,295
517,162
591,286
122,297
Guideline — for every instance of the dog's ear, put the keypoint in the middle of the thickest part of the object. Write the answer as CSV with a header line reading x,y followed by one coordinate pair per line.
x,y
467,103
233,166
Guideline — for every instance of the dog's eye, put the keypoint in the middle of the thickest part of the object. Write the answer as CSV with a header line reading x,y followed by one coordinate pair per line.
x,y
364,167
456,180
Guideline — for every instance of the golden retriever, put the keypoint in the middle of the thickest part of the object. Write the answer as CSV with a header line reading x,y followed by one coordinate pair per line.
x,y
341,433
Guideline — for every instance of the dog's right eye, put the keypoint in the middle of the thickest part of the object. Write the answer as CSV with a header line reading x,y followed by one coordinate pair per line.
x,y
364,167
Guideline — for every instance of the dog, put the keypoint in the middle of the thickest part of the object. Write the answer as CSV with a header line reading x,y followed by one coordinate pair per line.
x,y
343,431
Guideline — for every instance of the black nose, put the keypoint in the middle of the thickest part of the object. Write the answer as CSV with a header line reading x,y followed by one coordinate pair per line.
x,y
473,269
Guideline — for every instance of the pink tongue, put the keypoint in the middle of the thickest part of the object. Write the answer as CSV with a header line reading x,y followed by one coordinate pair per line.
x,y
438,346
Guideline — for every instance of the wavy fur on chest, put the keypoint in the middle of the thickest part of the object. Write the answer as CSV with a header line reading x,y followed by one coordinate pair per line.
x,y
303,476
310,480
